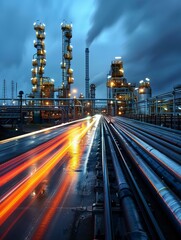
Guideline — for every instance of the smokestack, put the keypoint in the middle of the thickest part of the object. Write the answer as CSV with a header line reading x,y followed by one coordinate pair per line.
x,y
87,73
92,95
12,89
92,90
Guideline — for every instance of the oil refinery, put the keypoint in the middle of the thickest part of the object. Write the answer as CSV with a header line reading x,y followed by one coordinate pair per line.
x,y
122,94
49,104
87,151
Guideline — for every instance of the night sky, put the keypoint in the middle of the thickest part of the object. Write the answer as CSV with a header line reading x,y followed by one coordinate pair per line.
x,y
145,33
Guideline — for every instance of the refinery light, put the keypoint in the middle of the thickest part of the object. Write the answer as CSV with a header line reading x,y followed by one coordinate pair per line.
x,y
117,58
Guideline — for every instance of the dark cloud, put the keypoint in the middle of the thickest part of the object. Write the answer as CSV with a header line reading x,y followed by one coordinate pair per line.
x,y
13,35
17,35
152,30
146,33
106,14
16,24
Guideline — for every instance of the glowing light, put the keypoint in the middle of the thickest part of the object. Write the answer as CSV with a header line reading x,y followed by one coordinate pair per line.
x,y
74,90
112,84
141,90
27,186
118,57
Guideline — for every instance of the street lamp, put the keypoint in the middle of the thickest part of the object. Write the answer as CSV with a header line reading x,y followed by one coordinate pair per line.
x,y
74,91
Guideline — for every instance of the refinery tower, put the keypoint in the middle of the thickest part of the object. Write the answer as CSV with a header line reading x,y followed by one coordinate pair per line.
x,y
119,89
67,71
43,87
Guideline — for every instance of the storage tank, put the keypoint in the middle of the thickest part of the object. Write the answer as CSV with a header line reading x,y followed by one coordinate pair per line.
x,y
144,90
144,93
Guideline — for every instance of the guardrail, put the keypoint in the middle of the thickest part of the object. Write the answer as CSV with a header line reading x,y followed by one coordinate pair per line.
x,y
169,120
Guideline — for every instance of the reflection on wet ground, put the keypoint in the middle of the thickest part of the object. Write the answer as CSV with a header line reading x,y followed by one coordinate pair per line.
x,y
54,174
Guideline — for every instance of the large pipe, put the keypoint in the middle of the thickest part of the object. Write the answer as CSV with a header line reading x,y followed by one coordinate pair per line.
x,y
107,199
169,201
133,221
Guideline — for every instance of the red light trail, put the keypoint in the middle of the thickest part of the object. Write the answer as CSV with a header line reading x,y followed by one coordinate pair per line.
x,y
50,154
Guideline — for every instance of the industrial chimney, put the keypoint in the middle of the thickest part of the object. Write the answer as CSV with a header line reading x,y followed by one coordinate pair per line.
x,y
87,73
92,95
92,90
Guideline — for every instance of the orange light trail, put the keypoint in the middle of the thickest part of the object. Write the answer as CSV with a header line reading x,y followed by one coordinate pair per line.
x,y
20,194
17,197
51,211
11,174
17,160
63,188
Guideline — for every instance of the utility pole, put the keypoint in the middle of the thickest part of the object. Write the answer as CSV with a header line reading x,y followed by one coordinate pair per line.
x,y
4,91
21,112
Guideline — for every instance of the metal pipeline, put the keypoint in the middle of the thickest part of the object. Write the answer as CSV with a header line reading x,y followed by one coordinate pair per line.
x,y
107,201
133,222
173,167
169,169
170,202
156,141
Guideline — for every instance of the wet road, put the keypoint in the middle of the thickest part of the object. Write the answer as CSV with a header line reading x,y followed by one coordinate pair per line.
x,y
44,184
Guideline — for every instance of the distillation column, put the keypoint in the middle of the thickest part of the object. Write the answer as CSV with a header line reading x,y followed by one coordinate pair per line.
x,y
67,71
39,60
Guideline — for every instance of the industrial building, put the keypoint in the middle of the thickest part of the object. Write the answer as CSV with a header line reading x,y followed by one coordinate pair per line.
x,y
123,97
43,87
119,91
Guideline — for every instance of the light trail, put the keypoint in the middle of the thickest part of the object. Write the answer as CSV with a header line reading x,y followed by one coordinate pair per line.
x,y
17,218
63,189
20,194
17,160
40,131
11,174
47,217
29,163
